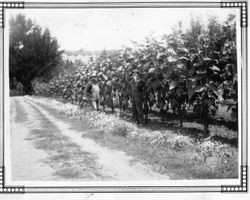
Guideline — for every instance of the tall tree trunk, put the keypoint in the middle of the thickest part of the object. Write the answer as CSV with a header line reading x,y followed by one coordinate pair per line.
x,y
205,120
181,115
27,87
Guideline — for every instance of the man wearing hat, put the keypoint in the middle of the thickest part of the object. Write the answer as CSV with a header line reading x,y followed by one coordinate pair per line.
x,y
92,92
136,97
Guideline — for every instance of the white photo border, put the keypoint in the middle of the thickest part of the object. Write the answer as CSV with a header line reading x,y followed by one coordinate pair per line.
x,y
243,187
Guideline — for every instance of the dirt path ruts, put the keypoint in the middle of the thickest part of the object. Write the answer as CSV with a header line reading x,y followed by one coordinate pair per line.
x,y
107,164
25,158
41,152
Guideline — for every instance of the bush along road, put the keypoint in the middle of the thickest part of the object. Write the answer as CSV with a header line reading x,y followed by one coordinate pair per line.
x,y
52,140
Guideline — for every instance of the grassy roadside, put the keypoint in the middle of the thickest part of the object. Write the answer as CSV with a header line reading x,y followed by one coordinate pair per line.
x,y
170,153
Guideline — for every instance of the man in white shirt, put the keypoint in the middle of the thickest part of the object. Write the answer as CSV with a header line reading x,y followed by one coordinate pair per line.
x,y
92,92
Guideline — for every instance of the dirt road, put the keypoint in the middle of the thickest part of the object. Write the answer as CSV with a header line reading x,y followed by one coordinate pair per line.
x,y
44,147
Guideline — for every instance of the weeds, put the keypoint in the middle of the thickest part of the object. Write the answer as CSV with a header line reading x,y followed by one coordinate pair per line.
x,y
165,148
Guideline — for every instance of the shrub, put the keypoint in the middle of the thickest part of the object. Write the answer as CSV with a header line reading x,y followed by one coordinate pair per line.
x,y
178,142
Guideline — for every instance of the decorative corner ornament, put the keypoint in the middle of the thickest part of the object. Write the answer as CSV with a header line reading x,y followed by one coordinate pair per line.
x,y
11,5
243,10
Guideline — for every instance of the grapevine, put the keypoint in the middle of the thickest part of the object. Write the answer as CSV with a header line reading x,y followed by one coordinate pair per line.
x,y
192,69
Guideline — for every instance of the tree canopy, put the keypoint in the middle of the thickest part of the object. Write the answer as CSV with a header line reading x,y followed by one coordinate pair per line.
x,y
33,52
188,68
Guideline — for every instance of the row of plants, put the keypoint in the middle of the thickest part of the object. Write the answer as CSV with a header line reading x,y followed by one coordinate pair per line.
x,y
198,158
194,68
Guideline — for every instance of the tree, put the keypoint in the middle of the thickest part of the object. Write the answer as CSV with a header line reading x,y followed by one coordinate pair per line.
x,y
194,68
208,57
33,51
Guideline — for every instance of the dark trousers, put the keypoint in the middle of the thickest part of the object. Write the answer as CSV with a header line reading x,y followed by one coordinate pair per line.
x,y
137,109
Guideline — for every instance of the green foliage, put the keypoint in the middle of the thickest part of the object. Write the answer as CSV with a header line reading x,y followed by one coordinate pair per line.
x,y
188,68
208,58
33,51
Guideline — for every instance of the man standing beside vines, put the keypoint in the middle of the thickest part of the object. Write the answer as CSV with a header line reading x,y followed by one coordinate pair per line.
x,y
92,92
137,97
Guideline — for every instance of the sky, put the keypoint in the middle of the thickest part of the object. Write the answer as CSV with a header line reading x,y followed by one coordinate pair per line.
x,y
98,29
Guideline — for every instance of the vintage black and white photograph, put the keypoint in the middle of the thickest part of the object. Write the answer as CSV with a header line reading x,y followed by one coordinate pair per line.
x,y
123,95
